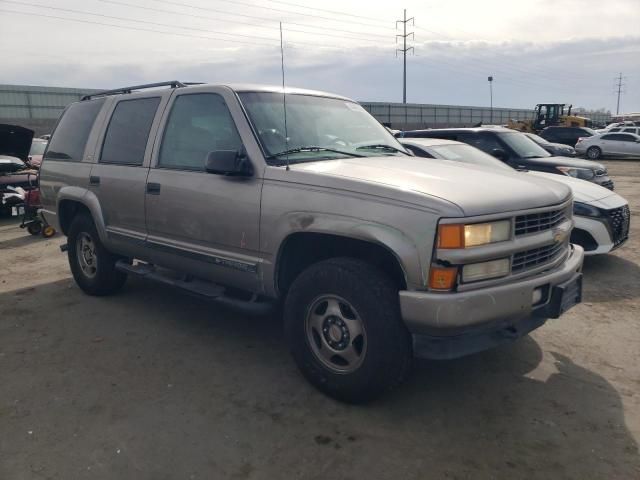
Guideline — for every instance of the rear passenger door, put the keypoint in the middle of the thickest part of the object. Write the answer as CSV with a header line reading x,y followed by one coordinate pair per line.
x,y
198,222
119,176
613,143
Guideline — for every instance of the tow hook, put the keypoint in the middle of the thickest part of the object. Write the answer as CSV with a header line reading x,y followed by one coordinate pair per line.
x,y
64,247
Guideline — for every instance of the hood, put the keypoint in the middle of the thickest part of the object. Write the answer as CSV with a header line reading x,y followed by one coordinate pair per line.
x,y
560,146
476,190
565,162
15,141
583,190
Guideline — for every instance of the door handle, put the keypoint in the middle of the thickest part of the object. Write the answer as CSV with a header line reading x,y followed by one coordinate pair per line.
x,y
153,188
94,180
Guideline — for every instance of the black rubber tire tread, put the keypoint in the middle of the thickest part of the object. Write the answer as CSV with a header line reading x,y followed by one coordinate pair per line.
x,y
34,228
107,280
592,149
389,346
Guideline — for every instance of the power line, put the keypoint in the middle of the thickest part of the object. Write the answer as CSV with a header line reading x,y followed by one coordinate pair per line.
x,y
140,29
335,12
252,5
367,36
404,51
146,22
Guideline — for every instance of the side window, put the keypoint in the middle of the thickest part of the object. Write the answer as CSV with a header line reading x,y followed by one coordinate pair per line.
x,y
615,136
128,131
70,136
199,123
486,143
625,137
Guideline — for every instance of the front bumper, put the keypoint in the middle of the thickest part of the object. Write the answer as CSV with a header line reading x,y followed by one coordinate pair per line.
x,y
450,314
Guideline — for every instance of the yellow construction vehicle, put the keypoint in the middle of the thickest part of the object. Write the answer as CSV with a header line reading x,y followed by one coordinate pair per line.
x,y
549,114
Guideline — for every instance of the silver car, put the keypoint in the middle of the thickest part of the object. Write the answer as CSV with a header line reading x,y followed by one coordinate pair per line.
x,y
609,144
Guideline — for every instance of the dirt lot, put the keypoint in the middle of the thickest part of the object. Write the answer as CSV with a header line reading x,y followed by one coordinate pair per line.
x,y
152,384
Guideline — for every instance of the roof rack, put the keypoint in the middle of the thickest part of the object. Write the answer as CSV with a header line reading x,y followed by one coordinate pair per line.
x,y
124,90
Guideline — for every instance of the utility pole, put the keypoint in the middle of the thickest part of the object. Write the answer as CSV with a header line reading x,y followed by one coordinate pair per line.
x,y
620,85
490,79
404,51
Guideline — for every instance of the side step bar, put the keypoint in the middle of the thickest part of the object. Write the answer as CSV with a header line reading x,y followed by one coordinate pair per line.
x,y
200,288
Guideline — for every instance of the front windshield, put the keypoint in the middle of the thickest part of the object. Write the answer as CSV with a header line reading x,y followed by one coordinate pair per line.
x,y
37,148
523,146
318,128
536,138
467,154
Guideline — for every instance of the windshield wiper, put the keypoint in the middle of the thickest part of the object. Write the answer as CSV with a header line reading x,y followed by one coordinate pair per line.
x,y
380,146
312,149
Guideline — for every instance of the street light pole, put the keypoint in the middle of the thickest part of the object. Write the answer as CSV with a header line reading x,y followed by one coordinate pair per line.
x,y
491,96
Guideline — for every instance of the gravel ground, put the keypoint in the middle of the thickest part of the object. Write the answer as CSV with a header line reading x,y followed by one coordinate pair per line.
x,y
153,384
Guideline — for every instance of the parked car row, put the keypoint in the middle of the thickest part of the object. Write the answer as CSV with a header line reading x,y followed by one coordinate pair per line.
x,y
517,150
601,216
254,196
617,141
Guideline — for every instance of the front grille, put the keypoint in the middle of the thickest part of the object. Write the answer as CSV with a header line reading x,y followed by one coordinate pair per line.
x,y
608,184
538,222
619,220
537,256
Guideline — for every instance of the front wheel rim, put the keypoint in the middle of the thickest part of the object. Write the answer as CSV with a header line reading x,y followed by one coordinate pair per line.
x,y
336,334
86,255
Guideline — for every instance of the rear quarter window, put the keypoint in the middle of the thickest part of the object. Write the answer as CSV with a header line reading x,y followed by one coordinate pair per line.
x,y
128,132
70,136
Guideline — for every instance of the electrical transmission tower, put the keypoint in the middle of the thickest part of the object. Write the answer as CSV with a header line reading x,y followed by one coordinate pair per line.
x,y
404,50
619,85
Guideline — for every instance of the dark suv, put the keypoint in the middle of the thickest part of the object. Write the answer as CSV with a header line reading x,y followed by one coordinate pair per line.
x,y
519,151
566,135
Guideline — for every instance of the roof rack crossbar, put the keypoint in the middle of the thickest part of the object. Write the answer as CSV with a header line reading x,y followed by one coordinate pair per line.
x,y
124,90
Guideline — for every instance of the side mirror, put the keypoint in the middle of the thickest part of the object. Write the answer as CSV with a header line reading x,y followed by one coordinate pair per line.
x,y
228,162
499,154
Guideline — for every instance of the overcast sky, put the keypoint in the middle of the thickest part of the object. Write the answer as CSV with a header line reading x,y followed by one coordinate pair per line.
x,y
567,51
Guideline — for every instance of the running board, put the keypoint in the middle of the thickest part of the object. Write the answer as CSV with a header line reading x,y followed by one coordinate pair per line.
x,y
200,288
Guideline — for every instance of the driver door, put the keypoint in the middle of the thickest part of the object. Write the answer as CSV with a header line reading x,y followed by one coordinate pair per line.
x,y
199,222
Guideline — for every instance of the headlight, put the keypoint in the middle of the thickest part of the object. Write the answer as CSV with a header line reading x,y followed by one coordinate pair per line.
x,y
585,210
583,173
463,236
485,270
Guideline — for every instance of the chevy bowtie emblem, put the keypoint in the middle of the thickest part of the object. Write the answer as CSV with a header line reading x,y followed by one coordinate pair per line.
x,y
559,236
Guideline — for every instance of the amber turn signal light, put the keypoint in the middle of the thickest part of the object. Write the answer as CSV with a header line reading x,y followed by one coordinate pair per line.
x,y
451,236
442,278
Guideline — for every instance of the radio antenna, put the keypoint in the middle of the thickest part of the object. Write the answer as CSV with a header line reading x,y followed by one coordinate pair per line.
x,y
284,100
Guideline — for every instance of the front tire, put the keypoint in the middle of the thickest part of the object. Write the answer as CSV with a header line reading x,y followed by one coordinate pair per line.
x,y
343,326
594,153
92,265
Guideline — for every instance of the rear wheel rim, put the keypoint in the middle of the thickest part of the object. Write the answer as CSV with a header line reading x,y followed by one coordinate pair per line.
x,y
86,254
593,153
336,334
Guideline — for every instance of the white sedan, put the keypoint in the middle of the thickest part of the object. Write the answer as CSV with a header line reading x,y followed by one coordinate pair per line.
x,y
609,144
601,216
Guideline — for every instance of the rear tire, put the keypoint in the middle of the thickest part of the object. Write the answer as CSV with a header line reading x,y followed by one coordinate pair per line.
x,y
34,228
92,265
343,326
594,153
